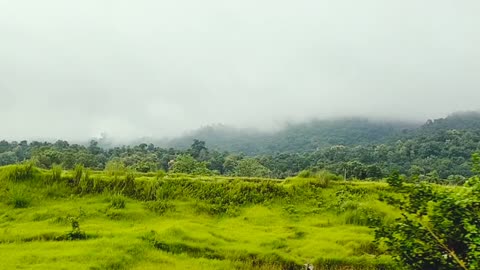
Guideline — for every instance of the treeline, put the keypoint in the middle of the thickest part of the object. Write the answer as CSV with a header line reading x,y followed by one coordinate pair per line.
x,y
438,151
443,156
295,138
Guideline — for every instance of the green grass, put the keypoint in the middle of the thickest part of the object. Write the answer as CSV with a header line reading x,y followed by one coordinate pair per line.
x,y
187,222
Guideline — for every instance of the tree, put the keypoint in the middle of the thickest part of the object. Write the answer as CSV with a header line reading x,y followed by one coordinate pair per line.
x,y
187,164
439,228
250,167
7,158
231,161
198,150
394,179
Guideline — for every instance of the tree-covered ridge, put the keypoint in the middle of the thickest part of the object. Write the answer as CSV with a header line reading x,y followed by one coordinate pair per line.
x,y
295,138
438,151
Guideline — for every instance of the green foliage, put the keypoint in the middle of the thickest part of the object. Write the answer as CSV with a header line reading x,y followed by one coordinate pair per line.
x,y
159,207
250,167
305,174
187,164
439,228
161,174
20,197
115,168
85,185
476,163
78,174
56,173
395,180
248,223
320,179
128,187
75,233
437,152
117,201
18,172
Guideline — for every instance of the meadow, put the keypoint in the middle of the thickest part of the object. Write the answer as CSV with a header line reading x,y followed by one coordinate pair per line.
x,y
83,219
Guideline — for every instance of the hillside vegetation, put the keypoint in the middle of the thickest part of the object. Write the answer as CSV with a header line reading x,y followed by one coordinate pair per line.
x,y
81,219
437,152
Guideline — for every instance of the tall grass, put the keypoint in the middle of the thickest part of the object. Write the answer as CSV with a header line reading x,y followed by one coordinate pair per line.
x,y
199,221
18,172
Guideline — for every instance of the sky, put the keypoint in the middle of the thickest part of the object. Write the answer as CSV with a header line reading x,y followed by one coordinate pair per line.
x,y
76,69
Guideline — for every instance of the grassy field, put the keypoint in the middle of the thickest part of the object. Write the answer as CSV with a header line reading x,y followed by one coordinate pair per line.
x,y
150,221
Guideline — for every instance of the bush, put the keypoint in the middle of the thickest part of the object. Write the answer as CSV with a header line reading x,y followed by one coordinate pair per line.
x,y
77,174
128,188
85,183
305,174
19,197
117,201
56,173
394,180
19,172
439,228
160,174
159,207
115,168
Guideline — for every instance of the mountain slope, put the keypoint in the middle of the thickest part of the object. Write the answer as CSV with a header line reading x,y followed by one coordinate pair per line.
x,y
302,137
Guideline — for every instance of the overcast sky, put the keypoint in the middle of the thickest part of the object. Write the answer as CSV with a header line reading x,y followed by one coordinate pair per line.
x,y
75,69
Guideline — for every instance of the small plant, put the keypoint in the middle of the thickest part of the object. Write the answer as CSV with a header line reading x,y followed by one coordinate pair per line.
x,y
117,201
75,233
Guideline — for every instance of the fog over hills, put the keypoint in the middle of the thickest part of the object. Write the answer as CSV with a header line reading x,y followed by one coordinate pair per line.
x,y
157,68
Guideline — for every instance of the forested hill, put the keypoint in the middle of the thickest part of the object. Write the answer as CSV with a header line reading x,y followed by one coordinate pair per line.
x,y
297,138
438,150
461,121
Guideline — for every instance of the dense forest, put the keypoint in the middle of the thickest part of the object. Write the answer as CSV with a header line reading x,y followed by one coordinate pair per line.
x,y
438,151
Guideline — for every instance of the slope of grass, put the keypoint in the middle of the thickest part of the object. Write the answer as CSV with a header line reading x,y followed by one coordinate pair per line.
x,y
186,222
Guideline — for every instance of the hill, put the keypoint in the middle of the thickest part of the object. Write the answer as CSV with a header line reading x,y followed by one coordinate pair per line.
x,y
295,138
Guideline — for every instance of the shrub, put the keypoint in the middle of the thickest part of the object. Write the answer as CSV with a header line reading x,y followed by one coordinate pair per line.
x,y
77,174
305,174
85,183
19,197
159,207
56,173
364,216
115,168
160,174
394,180
129,185
19,172
117,201
439,228
75,233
